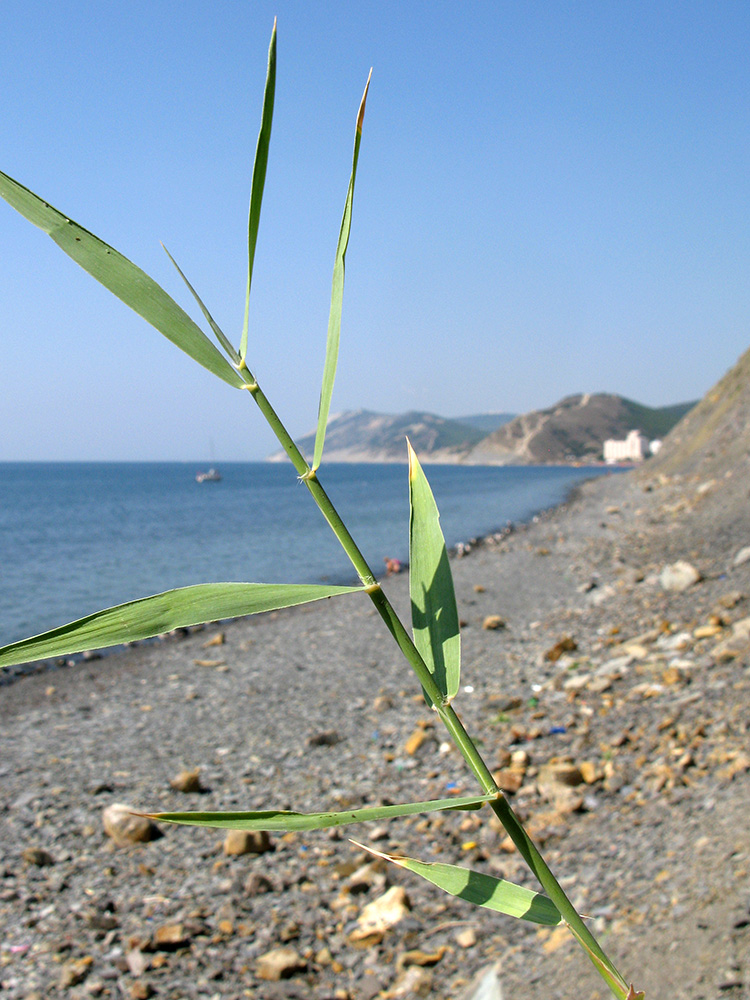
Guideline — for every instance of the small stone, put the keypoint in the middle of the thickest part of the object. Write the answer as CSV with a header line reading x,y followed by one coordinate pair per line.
x,y
731,599
217,640
74,971
380,916
137,962
508,779
413,982
328,738
742,556
635,649
257,883
187,781
739,765
466,938
170,937
565,645
493,623
324,956
736,643
707,631
415,741
478,588
485,985
590,772
559,773
247,842
679,576
126,827
140,990
37,856
576,683
418,957
279,963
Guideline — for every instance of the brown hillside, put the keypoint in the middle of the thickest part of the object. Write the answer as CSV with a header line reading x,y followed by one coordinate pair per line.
x,y
713,439
572,430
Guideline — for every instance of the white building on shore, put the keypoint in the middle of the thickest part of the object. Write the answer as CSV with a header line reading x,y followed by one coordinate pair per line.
x,y
634,448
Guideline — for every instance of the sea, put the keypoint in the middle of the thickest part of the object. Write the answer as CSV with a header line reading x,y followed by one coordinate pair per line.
x,y
77,537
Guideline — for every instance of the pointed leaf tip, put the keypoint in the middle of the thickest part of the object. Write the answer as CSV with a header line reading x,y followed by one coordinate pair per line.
x,y
337,298
121,277
280,819
479,889
260,165
434,612
149,616
361,113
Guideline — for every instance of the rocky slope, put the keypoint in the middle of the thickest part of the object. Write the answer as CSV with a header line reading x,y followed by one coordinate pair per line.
x,y
573,430
712,439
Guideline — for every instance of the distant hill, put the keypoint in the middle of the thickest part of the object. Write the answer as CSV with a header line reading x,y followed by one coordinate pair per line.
x,y
573,430
364,436
486,422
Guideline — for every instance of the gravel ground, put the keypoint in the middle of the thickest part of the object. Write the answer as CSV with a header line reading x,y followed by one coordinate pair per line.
x,y
614,711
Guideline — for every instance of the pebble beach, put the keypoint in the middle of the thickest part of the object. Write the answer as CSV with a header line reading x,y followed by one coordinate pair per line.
x,y
605,651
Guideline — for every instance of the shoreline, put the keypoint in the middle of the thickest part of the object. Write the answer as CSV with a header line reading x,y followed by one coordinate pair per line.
x,y
460,549
311,708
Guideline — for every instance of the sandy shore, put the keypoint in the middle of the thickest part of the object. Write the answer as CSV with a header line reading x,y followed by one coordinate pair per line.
x,y
312,708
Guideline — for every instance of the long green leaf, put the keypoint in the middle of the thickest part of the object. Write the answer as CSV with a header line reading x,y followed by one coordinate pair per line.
x,y
433,601
278,819
218,332
480,889
608,972
151,616
128,282
259,178
337,295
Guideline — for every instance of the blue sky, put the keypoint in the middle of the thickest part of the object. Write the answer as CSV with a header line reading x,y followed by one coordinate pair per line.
x,y
551,198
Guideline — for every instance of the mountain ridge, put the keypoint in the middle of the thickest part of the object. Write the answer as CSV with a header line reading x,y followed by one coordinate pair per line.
x,y
572,431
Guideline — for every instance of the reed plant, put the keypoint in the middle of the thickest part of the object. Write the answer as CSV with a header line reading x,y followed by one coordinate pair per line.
x,y
432,648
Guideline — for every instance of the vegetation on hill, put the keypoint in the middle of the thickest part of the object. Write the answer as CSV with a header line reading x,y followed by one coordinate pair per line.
x,y
574,430
362,436
571,431
713,438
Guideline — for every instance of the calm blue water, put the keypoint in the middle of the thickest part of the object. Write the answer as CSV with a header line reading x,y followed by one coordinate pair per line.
x,y
76,537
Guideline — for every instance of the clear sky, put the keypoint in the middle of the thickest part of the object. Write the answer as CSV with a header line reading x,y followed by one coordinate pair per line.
x,y
552,198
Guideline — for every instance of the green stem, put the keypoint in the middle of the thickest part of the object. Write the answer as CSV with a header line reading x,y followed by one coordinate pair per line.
x,y
500,806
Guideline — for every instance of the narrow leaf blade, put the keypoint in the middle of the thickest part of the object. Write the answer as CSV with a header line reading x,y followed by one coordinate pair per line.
x,y
337,295
480,889
433,601
129,283
608,972
218,332
172,609
259,178
278,819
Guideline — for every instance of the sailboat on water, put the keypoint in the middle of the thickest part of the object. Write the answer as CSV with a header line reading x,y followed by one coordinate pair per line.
x,y
212,475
